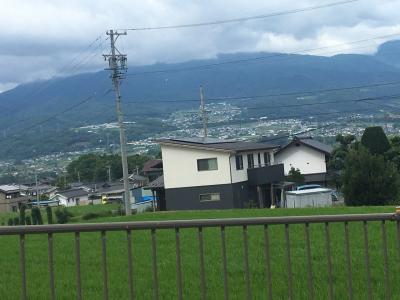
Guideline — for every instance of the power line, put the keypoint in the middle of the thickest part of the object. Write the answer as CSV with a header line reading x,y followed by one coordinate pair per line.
x,y
212,65
255,97
243,19
46,84
60,113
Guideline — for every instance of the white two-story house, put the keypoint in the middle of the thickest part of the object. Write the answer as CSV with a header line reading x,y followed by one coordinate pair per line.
x,y
206,173
307,155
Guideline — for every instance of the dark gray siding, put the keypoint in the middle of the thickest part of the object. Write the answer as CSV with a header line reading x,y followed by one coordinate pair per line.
x,y
232,196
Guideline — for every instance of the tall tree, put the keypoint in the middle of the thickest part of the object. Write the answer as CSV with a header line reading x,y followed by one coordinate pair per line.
x,y
375,140
295,176
369,179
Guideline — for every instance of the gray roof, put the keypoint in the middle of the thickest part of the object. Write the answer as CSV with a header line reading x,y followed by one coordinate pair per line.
x,y
310,142
218,144
73,193
9,188
157,183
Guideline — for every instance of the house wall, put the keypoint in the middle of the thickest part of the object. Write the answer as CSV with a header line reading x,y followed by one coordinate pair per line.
x,y
241,175
304,158
83,200
180,167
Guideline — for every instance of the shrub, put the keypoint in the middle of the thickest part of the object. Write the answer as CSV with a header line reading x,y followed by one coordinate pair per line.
x,y
49,213
10,222
90,215
16,221
22,214
368,179
37,216
28,220
34,216
62,215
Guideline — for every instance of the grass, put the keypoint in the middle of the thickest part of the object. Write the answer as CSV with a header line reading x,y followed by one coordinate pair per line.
x,y
37,267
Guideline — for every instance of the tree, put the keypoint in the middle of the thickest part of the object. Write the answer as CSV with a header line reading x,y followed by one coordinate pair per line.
x,y
295,176
94,167
22,214
36,216
339,153
49,213
375,140
369,179
393,154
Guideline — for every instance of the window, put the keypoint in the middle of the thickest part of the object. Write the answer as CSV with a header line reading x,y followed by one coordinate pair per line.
x,y
250,161
207,164
210,197
267,159
259,159
239,162
8,196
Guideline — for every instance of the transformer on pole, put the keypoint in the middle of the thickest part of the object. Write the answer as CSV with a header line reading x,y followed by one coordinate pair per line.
x,y
117,66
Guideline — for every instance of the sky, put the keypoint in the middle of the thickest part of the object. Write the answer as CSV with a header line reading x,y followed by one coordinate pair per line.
x,y
41,39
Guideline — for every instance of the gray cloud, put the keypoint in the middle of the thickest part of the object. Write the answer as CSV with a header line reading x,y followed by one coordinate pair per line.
x,y
42,37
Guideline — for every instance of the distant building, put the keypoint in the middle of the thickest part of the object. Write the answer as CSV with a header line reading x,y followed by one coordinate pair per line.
x,y
72,197
11,198
153,169
206,173
307,155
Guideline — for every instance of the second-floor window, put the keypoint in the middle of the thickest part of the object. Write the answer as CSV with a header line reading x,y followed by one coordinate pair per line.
x,y
239,162
250,161
267,158
259,159
207,164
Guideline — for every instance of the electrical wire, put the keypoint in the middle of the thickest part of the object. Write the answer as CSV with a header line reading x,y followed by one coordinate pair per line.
x,y
243,19
258,58
255,97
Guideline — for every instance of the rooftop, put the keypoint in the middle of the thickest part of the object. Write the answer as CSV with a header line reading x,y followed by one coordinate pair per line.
x,y
73,193
9,188
310,142
218,144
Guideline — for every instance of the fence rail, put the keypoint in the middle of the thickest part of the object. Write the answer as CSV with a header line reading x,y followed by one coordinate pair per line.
x,y
222,224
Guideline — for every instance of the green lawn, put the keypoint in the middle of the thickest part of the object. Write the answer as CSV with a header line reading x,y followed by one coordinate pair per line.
x,y
37,268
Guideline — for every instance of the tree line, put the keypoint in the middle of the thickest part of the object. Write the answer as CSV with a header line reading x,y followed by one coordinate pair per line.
x,y
94,167
367,171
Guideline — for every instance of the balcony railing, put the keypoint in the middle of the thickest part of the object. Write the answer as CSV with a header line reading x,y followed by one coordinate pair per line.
x,y
264,174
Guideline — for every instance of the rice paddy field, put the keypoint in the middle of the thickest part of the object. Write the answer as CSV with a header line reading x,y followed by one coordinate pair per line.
x,y
38,282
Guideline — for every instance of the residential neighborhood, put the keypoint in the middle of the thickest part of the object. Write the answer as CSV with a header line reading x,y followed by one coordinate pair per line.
x,y
200,149
214,174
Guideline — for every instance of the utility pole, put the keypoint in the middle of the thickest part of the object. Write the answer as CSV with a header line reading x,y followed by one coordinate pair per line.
x,y
109,173
117,66
37,189
203,112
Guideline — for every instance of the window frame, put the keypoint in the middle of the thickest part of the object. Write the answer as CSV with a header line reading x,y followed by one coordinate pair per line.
x,y
210,194
239,162
267,162
207,159
250,162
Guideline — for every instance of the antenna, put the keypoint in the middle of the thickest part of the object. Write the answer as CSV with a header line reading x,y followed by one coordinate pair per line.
x,y
203,112
117,66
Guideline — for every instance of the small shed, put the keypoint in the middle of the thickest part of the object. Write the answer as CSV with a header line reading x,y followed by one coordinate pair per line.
x,y
318,197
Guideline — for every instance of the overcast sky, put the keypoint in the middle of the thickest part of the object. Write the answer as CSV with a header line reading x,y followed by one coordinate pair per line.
x,y
41,39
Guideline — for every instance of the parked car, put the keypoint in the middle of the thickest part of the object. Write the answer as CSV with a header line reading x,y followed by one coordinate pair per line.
x,y
308,187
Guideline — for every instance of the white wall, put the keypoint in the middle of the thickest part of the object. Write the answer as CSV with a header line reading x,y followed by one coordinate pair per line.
x,y
304,158
180,167
241,175
83,200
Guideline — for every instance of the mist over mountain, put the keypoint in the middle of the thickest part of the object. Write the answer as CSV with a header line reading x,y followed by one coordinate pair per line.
x,y
43,112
